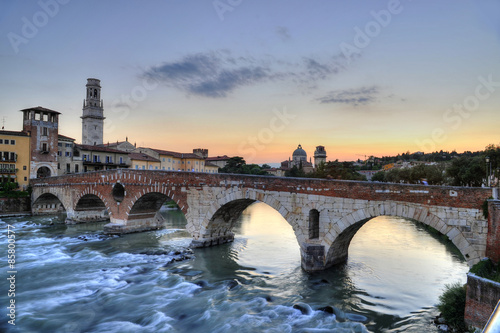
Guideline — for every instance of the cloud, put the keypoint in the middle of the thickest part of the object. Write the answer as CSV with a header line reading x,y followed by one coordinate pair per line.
x,y
354,97
283,33
212,74
216,74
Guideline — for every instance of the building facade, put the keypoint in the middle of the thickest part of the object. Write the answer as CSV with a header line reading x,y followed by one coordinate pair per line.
x,y
15,157
96,158
42,125
140,161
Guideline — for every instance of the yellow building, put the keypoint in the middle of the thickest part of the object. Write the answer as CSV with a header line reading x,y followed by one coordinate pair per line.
x,y
174,161
15,155
140,161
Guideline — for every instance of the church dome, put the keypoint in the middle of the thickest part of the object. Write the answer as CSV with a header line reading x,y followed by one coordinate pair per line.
x,y
299,152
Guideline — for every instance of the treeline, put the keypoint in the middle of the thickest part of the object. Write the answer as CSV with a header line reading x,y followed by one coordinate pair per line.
x,y
329,170
376,163
467,169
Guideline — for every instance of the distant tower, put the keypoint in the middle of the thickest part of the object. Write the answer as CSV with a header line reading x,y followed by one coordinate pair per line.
x,y
93,114
319,156
203,153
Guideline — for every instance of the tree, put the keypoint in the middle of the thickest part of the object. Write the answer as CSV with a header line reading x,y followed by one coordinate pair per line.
x,y
466,171
238,165
379,177
337,170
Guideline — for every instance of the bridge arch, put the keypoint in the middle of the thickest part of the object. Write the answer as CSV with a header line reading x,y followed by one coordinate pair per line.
x,y
47,203
348,225
217,224
90,206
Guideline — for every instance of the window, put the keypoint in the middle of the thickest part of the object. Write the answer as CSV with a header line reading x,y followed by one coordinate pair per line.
x,y
68,145
168,168
68,167
164,159
85,157
121,160
12,142
109,159
1,140
189,162
44,147
164,168
25,178
169,159
59,144
24,167
76,168
96,159
45,131
59,153
58,166
143,167
68,153
12,156
136,166
156,168
196,162
313,224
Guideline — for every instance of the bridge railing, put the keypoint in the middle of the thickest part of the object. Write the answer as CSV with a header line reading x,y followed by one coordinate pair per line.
x,y
493,324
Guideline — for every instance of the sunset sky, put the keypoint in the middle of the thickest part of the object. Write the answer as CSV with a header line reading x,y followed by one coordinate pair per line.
x,y
255,78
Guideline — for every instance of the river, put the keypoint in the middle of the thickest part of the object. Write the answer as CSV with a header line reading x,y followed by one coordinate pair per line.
x,y
72,278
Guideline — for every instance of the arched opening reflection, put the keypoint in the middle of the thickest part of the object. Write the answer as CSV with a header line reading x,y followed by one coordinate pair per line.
x,y
265,241
401,266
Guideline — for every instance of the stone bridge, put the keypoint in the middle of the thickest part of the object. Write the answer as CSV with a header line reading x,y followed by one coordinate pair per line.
x,y
324,214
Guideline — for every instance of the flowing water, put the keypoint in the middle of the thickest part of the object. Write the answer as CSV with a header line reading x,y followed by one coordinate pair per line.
x,y
75,279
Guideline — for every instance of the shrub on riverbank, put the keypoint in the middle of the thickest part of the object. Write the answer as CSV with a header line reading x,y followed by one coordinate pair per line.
x,y
487,269
452,306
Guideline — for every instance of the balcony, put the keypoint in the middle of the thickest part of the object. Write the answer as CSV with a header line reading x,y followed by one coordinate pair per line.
x,y
7,171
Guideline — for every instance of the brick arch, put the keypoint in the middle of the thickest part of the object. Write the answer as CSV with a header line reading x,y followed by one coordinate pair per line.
x,y
351,223
217,223
134,197
90,190
52,192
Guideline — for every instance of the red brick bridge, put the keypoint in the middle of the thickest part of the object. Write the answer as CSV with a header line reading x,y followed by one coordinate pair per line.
x,y
324,214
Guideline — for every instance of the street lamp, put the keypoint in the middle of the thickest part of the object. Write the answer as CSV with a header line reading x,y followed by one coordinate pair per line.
x,y
488,167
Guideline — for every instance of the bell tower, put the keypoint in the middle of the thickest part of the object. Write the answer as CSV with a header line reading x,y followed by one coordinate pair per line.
x,y
93,114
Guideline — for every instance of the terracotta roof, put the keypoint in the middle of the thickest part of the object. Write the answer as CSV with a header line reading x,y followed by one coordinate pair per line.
x,y
210,164
112,144
64,137
176,154
99,148
39,108
218,158
142,157
17,133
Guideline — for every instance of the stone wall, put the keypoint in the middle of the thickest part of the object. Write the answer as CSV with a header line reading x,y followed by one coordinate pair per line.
x,y
482,297
15,205
493,241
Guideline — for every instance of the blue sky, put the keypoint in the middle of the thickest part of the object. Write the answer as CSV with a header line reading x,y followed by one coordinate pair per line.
x,y
256,78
